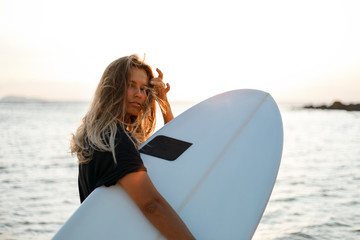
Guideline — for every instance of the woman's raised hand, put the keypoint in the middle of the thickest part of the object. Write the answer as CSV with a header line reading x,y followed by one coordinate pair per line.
x,y
161,88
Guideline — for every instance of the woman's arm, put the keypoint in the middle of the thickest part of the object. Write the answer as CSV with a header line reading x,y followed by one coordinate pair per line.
x,y
167,113
162,90
155,208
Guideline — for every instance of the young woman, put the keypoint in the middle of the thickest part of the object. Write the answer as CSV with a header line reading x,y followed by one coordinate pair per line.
x,y
121,117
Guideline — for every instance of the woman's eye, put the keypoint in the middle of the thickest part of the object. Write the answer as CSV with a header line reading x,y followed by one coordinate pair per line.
x,y
144,89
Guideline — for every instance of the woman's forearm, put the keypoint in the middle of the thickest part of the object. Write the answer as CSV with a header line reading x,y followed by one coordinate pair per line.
x,y
154,207
167,113
165,219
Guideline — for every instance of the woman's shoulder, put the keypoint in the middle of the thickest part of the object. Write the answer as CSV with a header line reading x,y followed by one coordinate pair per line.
x,y
122,135
124,143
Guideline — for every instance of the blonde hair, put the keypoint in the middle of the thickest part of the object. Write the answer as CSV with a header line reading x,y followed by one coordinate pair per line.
x,y
107,111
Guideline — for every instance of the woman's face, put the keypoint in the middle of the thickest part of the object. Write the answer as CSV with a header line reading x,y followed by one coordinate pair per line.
x,y
136,92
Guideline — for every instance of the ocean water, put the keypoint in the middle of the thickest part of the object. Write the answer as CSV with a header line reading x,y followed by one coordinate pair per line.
x,y
316,196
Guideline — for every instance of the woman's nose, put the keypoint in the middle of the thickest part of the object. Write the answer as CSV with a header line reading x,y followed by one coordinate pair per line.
x,y
138,92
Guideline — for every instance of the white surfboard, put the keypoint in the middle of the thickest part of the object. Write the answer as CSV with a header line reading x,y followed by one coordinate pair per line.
x,y
216,164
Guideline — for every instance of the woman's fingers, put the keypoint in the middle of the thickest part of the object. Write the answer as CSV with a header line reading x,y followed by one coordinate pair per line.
x,y
161,88
158,81
167,87
160,73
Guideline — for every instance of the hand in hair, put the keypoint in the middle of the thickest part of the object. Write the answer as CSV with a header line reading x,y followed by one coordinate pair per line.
x,y
160,87
161,90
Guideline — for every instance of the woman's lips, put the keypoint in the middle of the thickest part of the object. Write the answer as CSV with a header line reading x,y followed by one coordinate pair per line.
x,y
135,104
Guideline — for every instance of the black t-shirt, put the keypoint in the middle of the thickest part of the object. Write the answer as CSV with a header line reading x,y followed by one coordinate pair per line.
x,y
102,170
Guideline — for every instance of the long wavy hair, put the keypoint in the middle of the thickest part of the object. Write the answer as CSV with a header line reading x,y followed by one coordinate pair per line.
x,y
107,111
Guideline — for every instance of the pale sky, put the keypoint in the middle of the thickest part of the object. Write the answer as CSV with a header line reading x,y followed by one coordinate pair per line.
x,y
298,51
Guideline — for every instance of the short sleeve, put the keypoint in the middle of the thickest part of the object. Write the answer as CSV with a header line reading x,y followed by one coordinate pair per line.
x,y
103,170
128,160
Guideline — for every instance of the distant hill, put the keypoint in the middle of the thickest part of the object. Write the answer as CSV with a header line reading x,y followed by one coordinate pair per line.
x,y
336,106
15,99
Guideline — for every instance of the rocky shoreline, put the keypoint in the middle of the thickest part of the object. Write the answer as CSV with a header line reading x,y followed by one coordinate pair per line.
x,y
336,106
